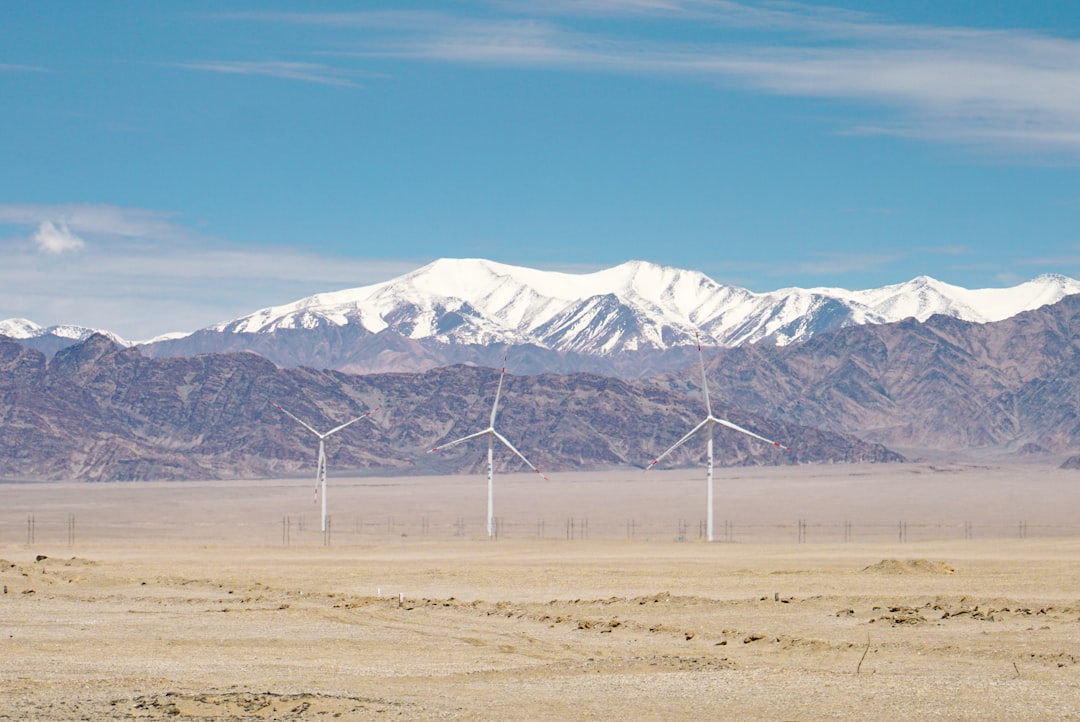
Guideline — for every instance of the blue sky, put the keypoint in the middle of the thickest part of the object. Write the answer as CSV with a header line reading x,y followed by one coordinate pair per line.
x,y
169,165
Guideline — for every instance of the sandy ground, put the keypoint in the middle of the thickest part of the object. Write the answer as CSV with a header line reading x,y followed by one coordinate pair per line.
x,y
902,592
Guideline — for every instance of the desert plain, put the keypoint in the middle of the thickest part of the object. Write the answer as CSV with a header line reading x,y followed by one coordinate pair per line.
x,y
900,592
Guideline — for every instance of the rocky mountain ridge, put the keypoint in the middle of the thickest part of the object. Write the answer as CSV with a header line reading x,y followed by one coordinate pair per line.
x,y
1012,386
98,411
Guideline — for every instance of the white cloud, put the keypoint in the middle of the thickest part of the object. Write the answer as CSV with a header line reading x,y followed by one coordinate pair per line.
x,y
140,273
56,238
1002,89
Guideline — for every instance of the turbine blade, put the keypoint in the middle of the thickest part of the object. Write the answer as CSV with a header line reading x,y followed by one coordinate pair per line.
x,y
462,440
498,391
678,443
736,427
299,421
350,423
704,381
521,456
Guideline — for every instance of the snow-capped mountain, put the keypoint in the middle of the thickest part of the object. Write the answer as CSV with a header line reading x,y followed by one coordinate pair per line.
x,y
22,329
633,306
631,320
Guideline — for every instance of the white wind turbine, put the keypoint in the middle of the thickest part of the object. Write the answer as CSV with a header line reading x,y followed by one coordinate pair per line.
x,y
320,474
707,425
492,434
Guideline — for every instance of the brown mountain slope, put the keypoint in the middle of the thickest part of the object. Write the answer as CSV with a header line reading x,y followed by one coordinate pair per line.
x,y
97,411
942,384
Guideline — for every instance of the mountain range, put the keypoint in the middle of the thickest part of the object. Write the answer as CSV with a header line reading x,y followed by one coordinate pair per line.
x,y
1012,386
631,320
946,387
1005,382
99,411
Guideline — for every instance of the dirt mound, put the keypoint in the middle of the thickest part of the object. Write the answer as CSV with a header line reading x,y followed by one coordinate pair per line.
x,y
255,706
43,560
909,566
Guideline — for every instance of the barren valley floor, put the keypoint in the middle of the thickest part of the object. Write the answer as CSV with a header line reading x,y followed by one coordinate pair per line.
x,y
225,601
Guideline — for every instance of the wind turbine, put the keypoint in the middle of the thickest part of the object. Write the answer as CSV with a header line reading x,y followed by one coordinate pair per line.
x,y
320,474
707,425
491,434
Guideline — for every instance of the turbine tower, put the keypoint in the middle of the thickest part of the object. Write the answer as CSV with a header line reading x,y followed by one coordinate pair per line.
x,y
707,425
491,435
320,474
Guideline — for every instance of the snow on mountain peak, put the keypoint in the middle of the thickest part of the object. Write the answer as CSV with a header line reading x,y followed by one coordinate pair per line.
x,y
636,304
21,328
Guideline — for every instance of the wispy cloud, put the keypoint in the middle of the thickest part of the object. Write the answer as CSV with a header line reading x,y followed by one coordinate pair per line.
x,y
14,68
946,250
752,273
96,219
832,264
1001,89
1067,257
304,72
